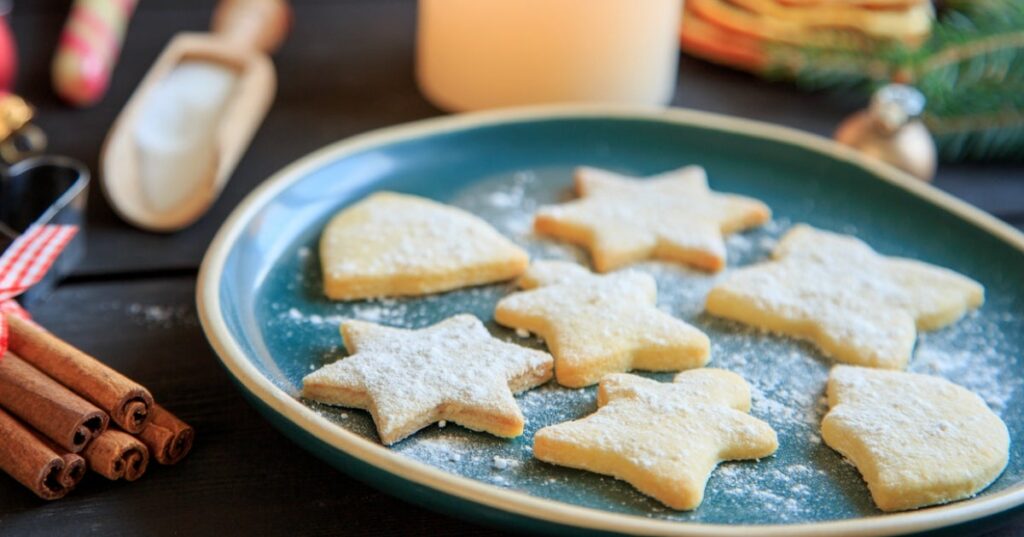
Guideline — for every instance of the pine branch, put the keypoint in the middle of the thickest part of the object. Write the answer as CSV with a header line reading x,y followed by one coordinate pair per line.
x,y
971,71
974,83
955,55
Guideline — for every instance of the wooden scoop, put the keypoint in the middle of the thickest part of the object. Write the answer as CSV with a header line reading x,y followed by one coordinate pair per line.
x,y
243,32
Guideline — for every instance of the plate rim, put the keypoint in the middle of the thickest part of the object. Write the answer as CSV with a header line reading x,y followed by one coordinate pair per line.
x,y
519,503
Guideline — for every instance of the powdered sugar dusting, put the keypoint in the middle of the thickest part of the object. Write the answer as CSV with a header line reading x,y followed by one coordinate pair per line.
x,y
393,234
584,312
160,316
979,364
862,306
804,481
413,376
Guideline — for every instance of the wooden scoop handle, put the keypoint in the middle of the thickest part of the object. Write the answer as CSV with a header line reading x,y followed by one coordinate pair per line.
x,y
259,24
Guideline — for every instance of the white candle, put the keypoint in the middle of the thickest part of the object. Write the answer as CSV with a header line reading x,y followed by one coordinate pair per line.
x,y
475,54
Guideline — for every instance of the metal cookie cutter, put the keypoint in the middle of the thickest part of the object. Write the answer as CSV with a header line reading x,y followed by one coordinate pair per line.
x,y
38,189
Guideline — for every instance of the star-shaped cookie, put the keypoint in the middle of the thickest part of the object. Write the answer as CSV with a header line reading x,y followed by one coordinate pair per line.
x,y
857,306
917,440
407,379
598,324
672,216
662,438
400,245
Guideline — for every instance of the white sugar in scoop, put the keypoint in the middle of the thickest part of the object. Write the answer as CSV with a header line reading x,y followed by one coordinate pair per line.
x,y
176,132
173,147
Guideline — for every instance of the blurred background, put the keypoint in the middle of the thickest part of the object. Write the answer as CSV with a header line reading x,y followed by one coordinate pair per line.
x,y
348,66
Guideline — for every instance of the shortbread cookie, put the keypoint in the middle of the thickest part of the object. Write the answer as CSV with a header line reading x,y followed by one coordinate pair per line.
x,y
598,324
407,379
662,438
672,216
395,244
857,306
917,440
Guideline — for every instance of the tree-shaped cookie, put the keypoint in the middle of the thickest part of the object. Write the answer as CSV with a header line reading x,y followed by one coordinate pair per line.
x,y
917,440
663,438
672,216
598,324
857,306
395,244
407,379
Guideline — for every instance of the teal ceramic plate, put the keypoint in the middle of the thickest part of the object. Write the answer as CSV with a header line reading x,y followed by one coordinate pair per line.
x,y
262,309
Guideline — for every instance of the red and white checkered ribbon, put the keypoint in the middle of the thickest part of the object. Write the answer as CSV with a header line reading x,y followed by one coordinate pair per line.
x,y
24,264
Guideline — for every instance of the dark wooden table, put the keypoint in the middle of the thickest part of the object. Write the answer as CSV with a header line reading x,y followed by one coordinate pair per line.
x,y
347,68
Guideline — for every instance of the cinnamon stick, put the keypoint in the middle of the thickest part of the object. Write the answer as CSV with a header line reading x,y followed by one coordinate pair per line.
x,y
28,460
115,455
168,438
44,404
74,465
127,402
74,470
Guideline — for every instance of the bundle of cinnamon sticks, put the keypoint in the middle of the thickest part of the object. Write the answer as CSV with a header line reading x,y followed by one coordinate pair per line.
x,y
63,412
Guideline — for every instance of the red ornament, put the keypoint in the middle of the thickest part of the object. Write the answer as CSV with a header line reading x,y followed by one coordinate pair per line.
x,y
8,55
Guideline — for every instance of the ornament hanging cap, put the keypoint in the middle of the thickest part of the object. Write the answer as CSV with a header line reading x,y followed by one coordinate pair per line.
x,y
19,138
893,105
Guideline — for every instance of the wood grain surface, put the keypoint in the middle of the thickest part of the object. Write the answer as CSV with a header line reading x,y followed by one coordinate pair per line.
x,y
347,67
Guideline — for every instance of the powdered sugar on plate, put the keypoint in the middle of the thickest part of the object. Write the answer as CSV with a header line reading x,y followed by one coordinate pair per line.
x,y
980,367
804,481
